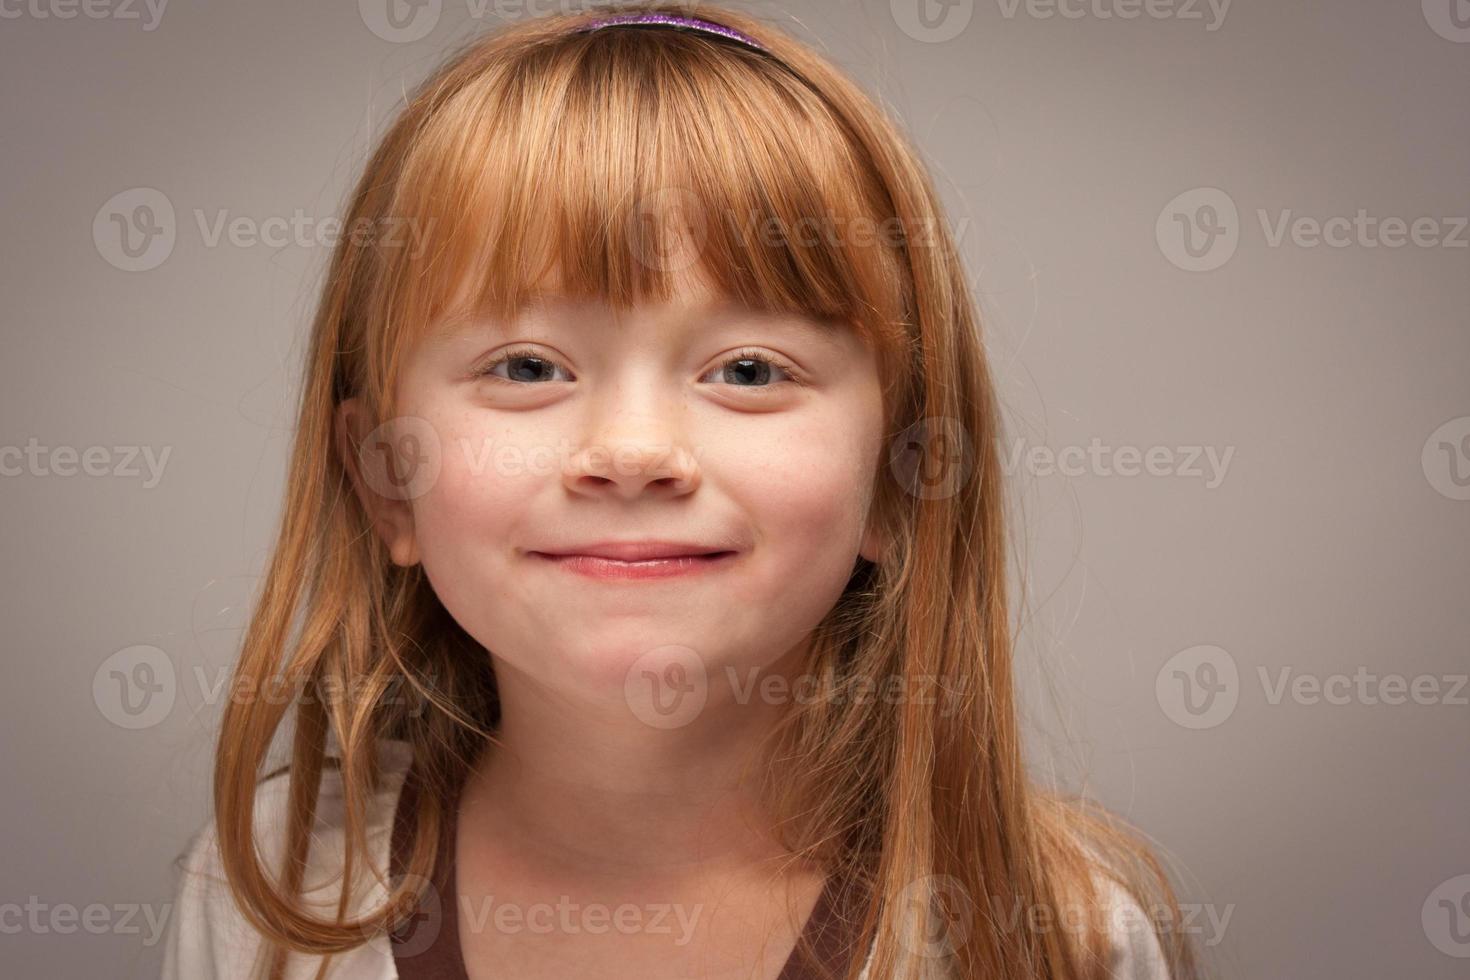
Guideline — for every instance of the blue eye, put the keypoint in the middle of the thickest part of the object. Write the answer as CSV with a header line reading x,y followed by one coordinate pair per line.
x,y
522,367
748,368
752,369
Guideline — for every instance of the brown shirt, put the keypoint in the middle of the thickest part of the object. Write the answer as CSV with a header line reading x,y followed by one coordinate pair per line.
x,y
426,946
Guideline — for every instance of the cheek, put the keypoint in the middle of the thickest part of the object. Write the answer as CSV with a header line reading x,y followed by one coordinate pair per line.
x,y
483,472
474,511
806,492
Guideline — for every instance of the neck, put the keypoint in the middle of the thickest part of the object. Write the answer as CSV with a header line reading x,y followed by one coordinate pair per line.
x,y
583,785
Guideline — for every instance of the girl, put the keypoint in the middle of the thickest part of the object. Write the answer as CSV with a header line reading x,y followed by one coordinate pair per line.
x,y
640,587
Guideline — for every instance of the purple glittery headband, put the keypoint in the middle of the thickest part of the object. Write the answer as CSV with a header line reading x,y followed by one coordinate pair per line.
x,y
671,20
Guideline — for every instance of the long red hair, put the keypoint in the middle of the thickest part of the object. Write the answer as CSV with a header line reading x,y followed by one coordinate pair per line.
x,y
535,143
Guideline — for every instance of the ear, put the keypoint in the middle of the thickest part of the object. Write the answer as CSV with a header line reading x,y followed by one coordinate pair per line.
x,y
364,453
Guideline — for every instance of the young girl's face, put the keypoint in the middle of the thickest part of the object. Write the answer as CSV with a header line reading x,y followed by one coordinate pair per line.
x,y
694,422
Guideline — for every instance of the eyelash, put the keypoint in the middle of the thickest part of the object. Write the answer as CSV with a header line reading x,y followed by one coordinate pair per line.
x,y
793,376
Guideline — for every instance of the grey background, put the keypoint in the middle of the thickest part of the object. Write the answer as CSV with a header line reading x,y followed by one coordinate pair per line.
x,y
1331,546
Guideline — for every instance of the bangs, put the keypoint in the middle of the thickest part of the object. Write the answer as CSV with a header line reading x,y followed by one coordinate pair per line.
x,y
613,164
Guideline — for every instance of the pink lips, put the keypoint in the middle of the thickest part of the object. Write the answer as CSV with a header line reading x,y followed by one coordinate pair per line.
x,y
635,560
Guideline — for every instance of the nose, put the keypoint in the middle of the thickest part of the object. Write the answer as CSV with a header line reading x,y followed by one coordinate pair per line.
x,y
635,453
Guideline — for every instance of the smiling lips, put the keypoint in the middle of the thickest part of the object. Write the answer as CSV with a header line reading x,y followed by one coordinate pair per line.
x,y
636,560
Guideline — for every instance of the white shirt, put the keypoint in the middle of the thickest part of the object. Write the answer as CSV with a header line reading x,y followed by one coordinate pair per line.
x,y
208,938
